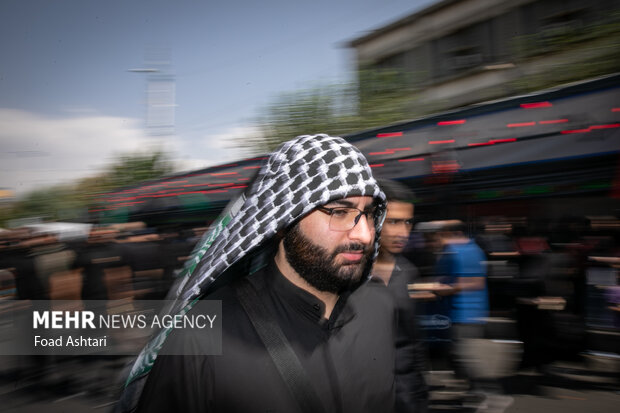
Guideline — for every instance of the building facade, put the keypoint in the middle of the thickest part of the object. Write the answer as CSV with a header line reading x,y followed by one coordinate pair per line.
x,y
459,52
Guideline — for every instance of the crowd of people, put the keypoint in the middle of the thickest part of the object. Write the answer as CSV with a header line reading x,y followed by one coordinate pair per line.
x,y
431,289
109,262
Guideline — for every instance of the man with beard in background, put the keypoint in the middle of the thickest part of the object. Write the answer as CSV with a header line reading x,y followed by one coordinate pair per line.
x,y
313,217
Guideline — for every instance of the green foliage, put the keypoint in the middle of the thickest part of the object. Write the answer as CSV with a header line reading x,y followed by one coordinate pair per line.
x,y
377,97
385,96
567,37
131,169
71,201
50,203
292,114
605,60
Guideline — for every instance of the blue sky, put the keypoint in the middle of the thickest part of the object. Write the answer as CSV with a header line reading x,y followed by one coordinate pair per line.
x,y
68,101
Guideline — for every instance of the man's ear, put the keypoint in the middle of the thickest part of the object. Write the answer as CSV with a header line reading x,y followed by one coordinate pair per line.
x,y
279,236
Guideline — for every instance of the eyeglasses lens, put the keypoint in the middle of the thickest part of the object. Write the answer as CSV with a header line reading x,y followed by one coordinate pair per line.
x,y
344,219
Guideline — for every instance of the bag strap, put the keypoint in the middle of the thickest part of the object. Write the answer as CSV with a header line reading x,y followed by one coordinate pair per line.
x,y
279,348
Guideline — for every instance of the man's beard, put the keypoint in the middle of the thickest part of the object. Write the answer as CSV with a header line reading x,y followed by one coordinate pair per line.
x,y
317,266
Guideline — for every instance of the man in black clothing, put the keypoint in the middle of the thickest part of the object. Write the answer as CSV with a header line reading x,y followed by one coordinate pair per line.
x,y
396,273
344,344
20,255
313,215
93,257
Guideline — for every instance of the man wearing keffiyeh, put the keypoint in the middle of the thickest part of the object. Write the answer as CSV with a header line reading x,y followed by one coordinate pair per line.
x,y
313,217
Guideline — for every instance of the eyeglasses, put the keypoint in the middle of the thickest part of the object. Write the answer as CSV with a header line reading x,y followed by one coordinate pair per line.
x,y
346,218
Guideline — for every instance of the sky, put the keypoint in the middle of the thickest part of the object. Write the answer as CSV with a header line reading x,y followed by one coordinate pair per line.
x,y
70,101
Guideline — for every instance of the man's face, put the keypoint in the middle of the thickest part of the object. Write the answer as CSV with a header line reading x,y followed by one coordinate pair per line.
x,y
331,260
396,227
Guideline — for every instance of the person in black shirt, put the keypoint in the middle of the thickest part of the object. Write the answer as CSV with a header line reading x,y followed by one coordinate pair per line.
x,y
93,257
313,215
394,271
348,354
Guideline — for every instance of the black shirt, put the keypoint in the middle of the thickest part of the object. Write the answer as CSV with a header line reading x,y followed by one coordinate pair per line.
x,y
411,388
349,357
95,258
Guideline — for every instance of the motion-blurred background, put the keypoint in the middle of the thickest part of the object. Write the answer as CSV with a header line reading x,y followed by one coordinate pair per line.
x,y
126,127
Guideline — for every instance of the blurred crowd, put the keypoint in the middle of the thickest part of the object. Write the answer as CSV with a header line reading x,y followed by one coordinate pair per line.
x,y
552,290
552,286
108,262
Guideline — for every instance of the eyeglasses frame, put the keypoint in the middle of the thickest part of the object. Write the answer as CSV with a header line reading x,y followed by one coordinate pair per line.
x,y
377,212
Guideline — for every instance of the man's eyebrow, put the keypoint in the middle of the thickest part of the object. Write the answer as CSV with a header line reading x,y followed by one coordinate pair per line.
x,y
349,204
342,202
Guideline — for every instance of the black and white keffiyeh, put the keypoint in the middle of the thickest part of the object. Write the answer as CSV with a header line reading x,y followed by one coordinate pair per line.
x,y
304,173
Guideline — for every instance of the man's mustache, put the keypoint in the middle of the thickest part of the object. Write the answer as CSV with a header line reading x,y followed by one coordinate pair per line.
x,y
352,247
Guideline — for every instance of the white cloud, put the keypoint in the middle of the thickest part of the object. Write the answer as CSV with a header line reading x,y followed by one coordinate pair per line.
x,y
38,151
230,138
214,149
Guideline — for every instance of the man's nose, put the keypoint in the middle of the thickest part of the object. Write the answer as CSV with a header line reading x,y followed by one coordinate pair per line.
x,y
403,231
362,231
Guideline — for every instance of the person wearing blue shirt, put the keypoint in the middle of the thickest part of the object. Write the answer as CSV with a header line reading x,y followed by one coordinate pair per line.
x,y
462,263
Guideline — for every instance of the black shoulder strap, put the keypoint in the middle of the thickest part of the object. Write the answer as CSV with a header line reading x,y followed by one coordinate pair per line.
x,y
279,348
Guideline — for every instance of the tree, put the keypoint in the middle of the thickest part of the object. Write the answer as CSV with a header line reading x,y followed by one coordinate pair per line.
x,y
377,97
71,201
385,96
131,169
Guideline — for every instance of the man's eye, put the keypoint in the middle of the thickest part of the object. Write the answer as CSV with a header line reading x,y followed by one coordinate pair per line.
x,y
339,213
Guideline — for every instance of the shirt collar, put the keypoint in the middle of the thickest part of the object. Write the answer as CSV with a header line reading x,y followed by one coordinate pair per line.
x,y
306,303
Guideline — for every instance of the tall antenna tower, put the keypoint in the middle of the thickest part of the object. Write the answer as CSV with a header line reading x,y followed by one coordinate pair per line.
x,y
160,92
